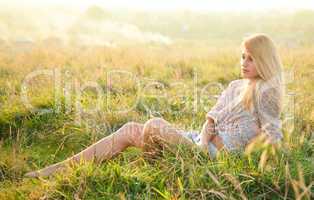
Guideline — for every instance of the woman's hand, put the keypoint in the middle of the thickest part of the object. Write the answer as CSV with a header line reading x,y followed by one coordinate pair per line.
x,y
207,132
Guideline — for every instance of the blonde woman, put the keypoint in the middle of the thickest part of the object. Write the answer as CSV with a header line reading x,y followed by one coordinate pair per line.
x,y
246,108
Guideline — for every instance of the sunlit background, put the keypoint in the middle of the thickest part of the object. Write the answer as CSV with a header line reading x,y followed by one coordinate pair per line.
x,y
161,5
116,23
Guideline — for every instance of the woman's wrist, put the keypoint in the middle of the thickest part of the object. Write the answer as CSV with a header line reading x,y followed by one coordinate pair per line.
x,y
210,119
207,132
210,126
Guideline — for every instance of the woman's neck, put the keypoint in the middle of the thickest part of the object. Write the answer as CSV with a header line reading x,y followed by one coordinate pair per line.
x,y
252,81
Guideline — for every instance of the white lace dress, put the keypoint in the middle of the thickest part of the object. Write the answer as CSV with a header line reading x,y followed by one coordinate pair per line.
x,y
236,125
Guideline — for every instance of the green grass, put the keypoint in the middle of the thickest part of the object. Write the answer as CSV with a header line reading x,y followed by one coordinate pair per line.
x,y
30,140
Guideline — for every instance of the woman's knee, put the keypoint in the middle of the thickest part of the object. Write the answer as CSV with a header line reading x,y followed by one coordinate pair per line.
x,y
133,131
155,125
154,129
132,126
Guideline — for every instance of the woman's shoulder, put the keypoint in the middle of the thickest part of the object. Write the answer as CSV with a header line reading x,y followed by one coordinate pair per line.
x,y
234,86
237,82
267,90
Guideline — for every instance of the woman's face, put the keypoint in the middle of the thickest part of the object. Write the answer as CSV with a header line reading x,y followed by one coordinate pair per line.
x,y
248,67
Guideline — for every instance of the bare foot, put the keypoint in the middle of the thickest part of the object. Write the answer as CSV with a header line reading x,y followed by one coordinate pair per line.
x,y
46,171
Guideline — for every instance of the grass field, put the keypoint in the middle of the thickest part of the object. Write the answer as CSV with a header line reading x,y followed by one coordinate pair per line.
x,y
135,83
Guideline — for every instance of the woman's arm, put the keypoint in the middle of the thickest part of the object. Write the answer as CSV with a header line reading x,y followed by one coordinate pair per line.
x,y
208,135
269,115
222,102
207,132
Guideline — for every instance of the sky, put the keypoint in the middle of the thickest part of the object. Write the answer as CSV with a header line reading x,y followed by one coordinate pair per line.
x,y
169,5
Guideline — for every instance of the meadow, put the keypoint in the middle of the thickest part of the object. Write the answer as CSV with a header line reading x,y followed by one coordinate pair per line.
x,y
57,99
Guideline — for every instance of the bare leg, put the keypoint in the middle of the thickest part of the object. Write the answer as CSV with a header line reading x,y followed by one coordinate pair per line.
x,y
129,134
158,130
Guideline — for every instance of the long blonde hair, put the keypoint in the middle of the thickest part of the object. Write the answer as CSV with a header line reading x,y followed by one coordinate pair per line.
x,y
269,68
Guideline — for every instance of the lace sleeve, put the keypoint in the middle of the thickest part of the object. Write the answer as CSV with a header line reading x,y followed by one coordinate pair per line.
x,y
269,115
220,104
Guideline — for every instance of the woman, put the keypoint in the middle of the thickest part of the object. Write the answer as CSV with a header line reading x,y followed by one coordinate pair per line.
x,y
246,108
